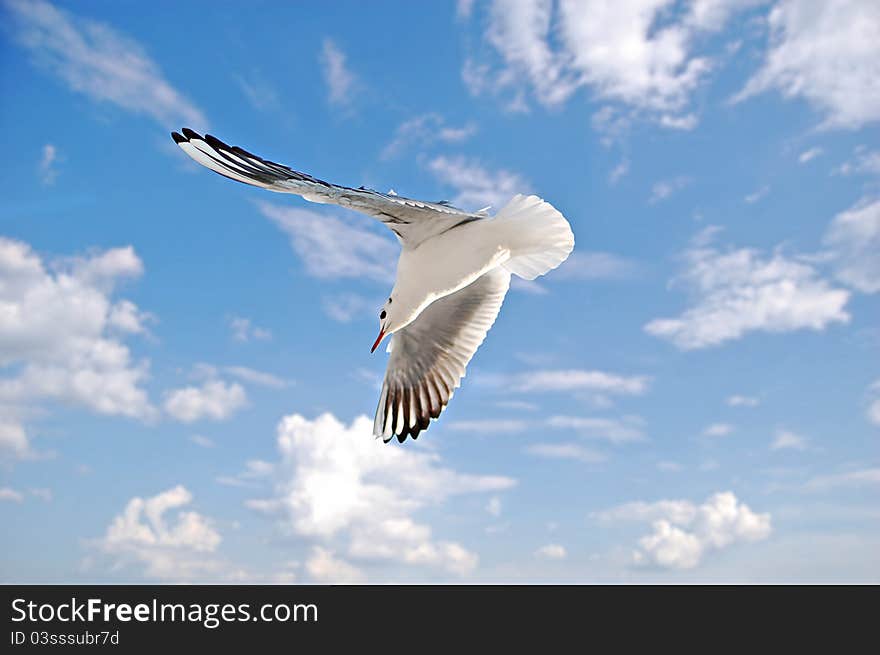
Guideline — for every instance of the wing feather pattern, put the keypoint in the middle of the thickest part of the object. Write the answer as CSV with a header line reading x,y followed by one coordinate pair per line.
x,y
430,355
411,220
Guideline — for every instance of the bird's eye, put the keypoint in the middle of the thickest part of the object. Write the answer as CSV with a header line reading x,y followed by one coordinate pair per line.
x,y
383,314
389,300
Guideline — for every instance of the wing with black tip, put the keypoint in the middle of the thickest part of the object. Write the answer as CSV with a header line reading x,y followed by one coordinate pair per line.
x,y
411,220
430,355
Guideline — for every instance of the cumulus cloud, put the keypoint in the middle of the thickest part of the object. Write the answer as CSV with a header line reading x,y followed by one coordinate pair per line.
x,y
61,336
324,567
94,59
684,533
423,131
341,82
331,246
853,243
638,54
740,291
339,487
215,400
177,548
826,52
476,186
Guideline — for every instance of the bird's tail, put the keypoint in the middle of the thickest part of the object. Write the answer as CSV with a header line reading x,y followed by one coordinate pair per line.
x,y
539,237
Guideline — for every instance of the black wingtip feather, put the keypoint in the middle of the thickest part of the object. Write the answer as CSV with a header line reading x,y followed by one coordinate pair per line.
x,y
190,134
178,138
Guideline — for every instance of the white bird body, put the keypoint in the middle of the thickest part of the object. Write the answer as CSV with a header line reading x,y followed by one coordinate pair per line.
x,y
452,275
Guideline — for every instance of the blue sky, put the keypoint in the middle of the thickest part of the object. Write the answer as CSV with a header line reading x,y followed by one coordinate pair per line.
x,y
187,389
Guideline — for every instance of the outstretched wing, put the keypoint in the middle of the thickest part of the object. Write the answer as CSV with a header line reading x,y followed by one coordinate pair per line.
x,y
429,356
411,220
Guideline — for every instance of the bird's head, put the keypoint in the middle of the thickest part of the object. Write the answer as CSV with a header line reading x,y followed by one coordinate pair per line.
x,y
387,324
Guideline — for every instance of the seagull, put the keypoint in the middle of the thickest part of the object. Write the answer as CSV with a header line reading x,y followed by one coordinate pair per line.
x,y
452,274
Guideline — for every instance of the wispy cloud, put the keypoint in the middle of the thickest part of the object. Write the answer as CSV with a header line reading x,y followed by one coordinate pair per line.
x,y
664,189
822,52
740,291
48,161
476,186
572,451
757,195
615,431
244,330
853,243
96,60
423,131
809,155
341,82
787,440
333,247
742,401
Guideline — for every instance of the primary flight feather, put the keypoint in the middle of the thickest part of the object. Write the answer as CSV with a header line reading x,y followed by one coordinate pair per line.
x,y
452,275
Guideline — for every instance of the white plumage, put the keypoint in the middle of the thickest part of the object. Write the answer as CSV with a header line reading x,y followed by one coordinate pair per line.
x,y
452,275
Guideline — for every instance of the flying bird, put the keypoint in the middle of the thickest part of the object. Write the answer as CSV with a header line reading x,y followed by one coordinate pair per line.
x,y
452,274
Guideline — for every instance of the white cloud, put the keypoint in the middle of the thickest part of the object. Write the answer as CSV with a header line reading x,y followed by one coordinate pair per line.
x,y
260,94
61,337
853,243
10,495
572,380
214,399
494,506
809,155
787,440
742,401
616,431
669,467
341,82
666,188
618,172
259,378
244,330
551,551
335,484
572,451
873,411
683,533
179,550
94,59
864,162
335,247
827,52
740,291
203,441
477,187
718,430
488,426
423,131
757,195
49,158
639,53
324,567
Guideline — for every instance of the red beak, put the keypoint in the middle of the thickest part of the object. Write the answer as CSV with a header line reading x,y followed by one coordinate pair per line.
x,y
378,341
